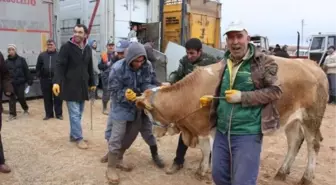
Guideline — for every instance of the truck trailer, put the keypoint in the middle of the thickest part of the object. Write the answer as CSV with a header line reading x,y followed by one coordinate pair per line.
x,y
27,24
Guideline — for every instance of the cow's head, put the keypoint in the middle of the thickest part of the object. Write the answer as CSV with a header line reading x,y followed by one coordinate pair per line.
x,y
147,102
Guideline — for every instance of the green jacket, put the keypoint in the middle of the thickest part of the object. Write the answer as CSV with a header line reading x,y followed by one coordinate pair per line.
x,y
240,120
186,67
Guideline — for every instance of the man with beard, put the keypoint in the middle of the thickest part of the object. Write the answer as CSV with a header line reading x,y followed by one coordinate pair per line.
x,y
74,78
20,75
7,88
45,69
105,66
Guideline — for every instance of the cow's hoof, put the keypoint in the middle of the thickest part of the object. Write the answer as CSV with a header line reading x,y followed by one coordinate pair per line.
x,y
202,176
280,176
305,181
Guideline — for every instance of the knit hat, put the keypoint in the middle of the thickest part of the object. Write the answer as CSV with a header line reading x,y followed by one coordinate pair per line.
x,y
13,46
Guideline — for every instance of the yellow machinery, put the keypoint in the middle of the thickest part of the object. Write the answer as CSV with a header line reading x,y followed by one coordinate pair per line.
x,y
201,20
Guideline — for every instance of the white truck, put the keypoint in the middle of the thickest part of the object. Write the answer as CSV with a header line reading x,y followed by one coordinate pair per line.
x,y
27,24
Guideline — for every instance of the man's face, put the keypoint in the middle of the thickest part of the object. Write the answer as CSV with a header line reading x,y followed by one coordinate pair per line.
x,y
330,51
121,55
51,46
79,34
137,63
237,42
11,52
94,45
110,48
193,54
135,28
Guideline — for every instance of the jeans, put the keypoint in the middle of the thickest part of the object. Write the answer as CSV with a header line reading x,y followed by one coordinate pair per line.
x,y
245,159
75,110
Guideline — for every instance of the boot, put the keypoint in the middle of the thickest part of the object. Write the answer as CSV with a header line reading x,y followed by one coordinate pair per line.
x,y
121,165
112,173
105,108
104,159
4,168
155,156
174,168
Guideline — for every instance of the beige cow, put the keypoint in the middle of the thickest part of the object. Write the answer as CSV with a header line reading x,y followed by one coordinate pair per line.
x,y
301,108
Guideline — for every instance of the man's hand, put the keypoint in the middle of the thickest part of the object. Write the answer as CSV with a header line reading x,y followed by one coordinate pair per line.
x,y
92,88
205,101
233,96
130,95
56,89
8,93
165,84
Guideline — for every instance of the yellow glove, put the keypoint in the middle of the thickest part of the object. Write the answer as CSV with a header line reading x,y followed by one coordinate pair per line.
x,y
233,96
56,89
205,100
130,95
92,88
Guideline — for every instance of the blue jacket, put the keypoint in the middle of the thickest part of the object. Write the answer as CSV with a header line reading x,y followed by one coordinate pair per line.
x,y
122,77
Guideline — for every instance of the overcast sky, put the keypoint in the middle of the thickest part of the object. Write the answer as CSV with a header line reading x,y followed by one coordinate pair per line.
x,y
280,20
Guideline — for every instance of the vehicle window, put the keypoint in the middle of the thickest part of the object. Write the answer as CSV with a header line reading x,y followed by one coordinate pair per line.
x,y
318,43
331,41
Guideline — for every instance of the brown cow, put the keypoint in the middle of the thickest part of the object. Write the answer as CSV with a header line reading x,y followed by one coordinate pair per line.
x,y
301,108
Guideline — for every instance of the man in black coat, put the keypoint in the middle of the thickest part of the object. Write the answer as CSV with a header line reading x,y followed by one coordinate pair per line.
x,y
5,86
20,75
45,68
74,78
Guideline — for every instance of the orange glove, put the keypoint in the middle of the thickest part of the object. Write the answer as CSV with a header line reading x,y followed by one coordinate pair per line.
x,y
104,57
205,101
56,89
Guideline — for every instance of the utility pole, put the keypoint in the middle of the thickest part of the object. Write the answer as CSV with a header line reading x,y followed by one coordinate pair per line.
x,y
302,25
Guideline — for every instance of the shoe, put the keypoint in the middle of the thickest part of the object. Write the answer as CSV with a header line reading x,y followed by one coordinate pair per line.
x,y
104,159
155,156
81,144
11,118
4,168
26,113
111,172
47,118
59,117
174,168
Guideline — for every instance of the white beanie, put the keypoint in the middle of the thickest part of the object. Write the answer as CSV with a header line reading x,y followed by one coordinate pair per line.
x,y
13,46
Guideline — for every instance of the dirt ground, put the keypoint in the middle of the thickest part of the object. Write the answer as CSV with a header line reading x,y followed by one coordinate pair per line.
x,y
40,153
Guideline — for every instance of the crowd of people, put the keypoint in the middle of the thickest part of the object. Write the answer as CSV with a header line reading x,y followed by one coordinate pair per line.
x,y
126,70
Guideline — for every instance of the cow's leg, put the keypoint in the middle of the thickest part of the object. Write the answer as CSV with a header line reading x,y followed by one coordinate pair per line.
x,y
204,145
312,137
295,139
211,140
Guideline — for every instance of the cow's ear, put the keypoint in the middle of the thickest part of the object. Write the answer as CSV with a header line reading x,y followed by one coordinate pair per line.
x,y
142,104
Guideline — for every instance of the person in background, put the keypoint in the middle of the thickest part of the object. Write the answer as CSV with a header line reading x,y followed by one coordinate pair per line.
x,y
132,35
105,66
45,70
194,57
74,78
330,65
96,71
6,88
20,75
281,52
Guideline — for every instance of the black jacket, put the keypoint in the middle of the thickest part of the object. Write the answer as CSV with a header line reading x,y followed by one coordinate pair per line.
x,y
74,72
45,65
5,81
18,70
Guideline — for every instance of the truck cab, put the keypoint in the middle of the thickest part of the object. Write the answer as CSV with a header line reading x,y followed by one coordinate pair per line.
x,y
319,45
260,41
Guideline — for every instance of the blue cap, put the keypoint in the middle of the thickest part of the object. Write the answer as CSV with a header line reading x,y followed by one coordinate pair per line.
x,y
122,45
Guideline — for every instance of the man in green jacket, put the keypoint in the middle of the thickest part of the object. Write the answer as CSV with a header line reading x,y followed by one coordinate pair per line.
x,y
250,86
195,57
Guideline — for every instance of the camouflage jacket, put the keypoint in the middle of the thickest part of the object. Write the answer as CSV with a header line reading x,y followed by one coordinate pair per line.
x,y
264,76
186,67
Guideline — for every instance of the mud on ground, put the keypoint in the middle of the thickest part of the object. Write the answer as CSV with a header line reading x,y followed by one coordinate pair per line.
x,y
40,153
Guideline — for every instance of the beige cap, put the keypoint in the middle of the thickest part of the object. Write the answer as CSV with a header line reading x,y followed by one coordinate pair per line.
x,y
235,26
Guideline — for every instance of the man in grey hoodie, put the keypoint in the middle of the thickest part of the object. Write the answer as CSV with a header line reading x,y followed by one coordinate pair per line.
x,y
128,77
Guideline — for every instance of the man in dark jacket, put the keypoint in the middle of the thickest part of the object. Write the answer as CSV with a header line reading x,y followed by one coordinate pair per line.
x,y
5,86
195,57
74,78
45,68
20,75
105,66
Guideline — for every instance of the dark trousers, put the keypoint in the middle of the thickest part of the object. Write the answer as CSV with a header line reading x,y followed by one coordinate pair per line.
x,y
180,151
2,156
332,87
241,166
51,102
20,95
